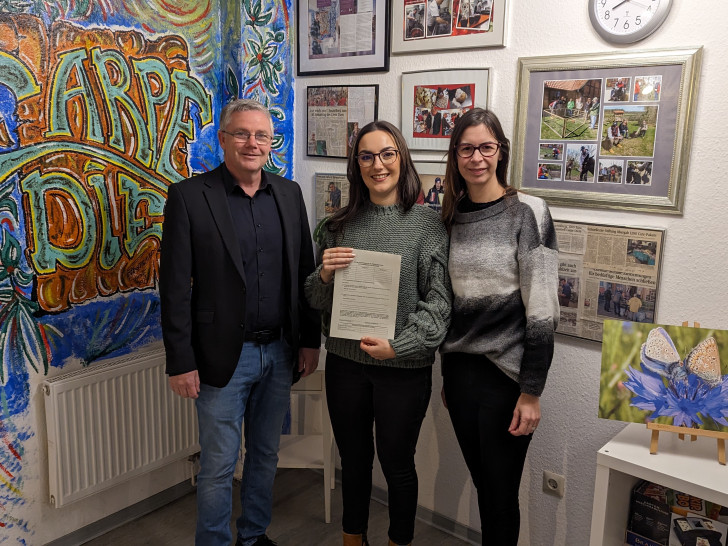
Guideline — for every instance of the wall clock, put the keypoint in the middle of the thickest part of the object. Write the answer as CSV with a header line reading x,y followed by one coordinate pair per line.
x,y
627,21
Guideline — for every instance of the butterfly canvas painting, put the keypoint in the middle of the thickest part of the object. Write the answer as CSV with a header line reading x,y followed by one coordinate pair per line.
x,y
674,375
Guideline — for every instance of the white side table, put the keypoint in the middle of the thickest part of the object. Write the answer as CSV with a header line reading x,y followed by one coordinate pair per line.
x,y
690,467
312,450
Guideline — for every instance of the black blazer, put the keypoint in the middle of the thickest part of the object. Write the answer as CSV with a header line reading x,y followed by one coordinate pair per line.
x,y
202,281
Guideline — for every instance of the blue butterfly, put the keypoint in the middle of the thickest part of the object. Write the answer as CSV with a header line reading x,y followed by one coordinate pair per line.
x,y
660,356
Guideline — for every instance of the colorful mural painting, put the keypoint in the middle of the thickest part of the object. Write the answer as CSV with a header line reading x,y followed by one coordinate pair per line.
x,y
103,104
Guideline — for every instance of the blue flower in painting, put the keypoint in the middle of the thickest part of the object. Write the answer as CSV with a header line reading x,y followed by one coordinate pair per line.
x,y
686,400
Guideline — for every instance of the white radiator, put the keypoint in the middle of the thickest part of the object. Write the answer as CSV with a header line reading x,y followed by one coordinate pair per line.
x,y
113,421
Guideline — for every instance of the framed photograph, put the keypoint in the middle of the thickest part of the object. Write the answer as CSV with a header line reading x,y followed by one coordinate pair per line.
x,y
433,101
625,121
432,180
431,25
669,375
335,115
332,193
335,37
606,272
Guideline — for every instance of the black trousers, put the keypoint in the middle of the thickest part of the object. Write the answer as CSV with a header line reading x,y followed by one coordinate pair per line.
x,y
395,399
481,400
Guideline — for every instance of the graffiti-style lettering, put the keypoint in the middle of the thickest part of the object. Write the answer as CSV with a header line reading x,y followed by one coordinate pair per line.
x,y
95,168
189,92
63,216
111,64
72,86
17,76
145,209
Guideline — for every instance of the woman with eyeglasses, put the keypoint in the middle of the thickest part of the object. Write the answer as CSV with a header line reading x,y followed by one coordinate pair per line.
x,y
504,270
375,381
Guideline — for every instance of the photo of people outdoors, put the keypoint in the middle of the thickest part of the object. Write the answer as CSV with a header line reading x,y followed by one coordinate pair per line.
x,y
551,150
626,302
639,172
570,109
617,89
629,130
641,252
647,88
474,14
549,171
580,160
436,109
610,171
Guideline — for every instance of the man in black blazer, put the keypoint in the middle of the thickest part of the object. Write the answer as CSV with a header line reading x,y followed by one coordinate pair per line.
x,y
236,250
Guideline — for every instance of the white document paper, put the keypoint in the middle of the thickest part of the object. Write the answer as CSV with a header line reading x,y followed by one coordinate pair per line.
x,y
365,296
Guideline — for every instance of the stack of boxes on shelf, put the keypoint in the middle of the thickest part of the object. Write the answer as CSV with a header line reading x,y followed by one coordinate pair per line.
x,y
664,517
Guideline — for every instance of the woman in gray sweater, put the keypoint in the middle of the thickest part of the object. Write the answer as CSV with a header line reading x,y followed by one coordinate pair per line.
x,y
504,271
386,382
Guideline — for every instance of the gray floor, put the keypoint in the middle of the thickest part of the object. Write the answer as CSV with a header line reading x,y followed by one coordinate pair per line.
x,y
298,519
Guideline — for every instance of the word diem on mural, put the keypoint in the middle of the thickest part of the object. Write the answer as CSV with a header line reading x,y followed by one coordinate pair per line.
x,y
98,141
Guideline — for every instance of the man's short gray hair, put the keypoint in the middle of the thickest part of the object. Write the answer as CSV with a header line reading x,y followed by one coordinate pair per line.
x,y
243,105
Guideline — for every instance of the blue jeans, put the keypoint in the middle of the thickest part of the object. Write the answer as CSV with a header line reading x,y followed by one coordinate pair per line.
x,y
258,392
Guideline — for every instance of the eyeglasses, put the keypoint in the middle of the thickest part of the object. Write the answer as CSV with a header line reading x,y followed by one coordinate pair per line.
x,y
486,149
387,157
243,136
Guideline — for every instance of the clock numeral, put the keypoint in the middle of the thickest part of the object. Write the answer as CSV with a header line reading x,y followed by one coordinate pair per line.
x,y
606,15
626,25
604,3
637,20
616,22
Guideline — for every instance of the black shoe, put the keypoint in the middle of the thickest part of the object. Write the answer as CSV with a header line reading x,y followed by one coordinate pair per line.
x,y
263,540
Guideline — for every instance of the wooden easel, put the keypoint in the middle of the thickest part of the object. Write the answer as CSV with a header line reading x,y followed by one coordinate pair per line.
x,y
692,432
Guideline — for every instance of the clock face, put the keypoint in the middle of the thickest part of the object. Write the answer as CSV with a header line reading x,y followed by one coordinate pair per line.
x,y
626,21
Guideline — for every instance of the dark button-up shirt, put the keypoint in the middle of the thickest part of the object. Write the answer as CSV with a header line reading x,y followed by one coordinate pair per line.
x,y
259,233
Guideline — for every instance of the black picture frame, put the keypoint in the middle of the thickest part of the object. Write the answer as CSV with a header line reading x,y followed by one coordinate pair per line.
x,y
334,116
319,39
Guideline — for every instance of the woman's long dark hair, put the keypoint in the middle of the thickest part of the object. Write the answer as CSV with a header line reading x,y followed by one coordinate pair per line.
x,y
455,187
408,185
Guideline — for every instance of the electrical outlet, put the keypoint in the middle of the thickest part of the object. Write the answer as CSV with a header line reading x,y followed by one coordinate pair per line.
x,y
554,483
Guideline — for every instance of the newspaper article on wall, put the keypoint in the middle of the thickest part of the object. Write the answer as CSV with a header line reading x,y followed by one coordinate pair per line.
x,y
606,272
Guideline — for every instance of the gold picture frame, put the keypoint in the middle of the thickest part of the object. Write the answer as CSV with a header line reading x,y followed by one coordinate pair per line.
x,y
650,96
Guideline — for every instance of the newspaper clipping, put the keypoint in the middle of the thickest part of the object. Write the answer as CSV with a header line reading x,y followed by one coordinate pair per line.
x,y
606,272
332,193
335,116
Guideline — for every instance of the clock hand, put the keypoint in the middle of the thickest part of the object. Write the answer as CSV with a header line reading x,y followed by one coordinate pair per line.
x,y
622,2
640,5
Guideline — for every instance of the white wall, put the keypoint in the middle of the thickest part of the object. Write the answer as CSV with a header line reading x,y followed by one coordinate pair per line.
x,y
694,272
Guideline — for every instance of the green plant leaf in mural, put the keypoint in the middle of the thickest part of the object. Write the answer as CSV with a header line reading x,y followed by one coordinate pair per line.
x,y
277,113
256,15
231,82
7,203
21,336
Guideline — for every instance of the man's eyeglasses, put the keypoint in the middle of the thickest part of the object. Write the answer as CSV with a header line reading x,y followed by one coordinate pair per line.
x,y
486,149
387,157
243,136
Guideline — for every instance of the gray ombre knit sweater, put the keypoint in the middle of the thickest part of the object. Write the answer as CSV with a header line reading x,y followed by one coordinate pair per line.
x,y
504,271
425,296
